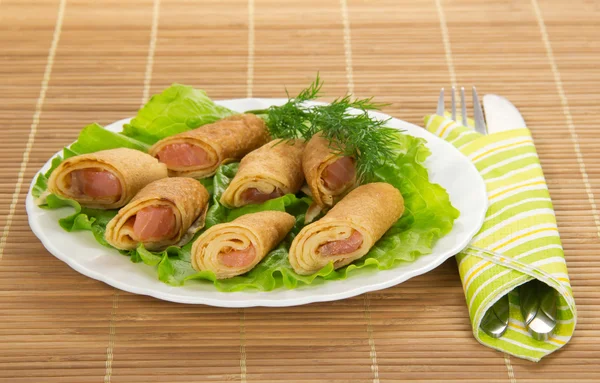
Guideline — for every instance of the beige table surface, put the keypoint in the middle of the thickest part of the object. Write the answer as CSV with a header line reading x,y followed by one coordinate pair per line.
x,y
66,63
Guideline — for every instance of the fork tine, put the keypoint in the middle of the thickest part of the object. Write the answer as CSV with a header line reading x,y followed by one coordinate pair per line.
x,y
440,105
453,103
478,114
463,105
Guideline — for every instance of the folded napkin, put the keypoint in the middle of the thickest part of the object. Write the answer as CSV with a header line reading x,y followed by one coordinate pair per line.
x,y
518,241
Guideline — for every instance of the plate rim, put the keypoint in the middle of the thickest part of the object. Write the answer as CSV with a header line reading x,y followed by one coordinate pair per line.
x,y
256,302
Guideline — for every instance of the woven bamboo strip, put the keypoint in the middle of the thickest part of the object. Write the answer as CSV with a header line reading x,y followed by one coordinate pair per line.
x,y
56,323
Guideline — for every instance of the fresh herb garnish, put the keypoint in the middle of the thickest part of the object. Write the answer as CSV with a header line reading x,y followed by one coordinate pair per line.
x,y
291,120
351,132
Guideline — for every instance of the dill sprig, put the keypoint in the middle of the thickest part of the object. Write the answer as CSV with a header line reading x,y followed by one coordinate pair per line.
x,y
290,120
356,133
345,123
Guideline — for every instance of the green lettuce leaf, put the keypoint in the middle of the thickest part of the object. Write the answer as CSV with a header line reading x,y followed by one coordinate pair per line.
x,y
429,214
94,138
41,182
174,265
178,109
217,213
94,220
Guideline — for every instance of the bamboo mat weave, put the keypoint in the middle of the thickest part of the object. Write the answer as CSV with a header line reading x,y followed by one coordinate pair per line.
x,y
66,63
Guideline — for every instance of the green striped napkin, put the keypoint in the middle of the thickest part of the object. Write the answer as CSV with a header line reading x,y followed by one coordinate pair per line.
x,y
518,241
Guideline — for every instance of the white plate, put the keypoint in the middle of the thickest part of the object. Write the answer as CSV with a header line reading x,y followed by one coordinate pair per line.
x,y
447,167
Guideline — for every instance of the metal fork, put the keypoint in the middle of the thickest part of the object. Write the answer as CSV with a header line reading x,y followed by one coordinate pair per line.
x,y
495,320
478,117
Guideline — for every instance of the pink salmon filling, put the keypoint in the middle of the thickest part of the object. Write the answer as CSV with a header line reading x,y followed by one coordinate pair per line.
x,y
339,175
344,246
182,155
253,195
153,223
95,183
238,258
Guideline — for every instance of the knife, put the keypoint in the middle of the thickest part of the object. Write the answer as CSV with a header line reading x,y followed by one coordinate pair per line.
x,y
537,299
501,114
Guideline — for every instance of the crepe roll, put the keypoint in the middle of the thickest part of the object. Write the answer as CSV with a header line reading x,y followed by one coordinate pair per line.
x,y
349,230
329,175
271,171
164,213
107,179
234,248
199,152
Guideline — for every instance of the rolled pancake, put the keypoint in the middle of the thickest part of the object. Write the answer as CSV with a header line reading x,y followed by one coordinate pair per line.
x,y
234,248
127,170
349,230
273,170
320,163
178,203
199,152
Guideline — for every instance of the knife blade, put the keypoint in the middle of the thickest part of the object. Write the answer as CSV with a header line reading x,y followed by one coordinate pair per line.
x,y
537,299
501,114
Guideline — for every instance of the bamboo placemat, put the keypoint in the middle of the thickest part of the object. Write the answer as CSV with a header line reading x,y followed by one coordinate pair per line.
x,y
65,63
